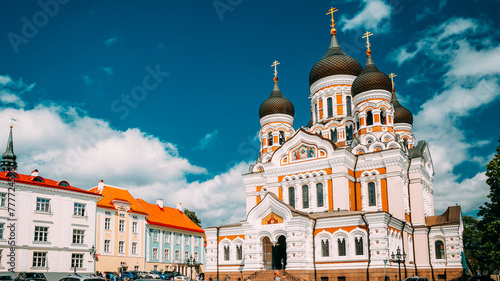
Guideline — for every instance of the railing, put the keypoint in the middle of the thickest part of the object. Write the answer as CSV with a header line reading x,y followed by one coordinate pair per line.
x,y
254,275
291,277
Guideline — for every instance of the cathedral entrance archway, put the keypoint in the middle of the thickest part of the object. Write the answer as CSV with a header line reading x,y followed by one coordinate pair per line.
x,y
279,253
267,253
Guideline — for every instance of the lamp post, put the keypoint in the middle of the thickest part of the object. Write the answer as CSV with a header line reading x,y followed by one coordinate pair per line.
x,y
385,262
399,260
92,253
191,262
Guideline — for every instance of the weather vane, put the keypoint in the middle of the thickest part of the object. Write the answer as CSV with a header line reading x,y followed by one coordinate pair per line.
x,y
331,11
275,64
392,75
12,120
367,36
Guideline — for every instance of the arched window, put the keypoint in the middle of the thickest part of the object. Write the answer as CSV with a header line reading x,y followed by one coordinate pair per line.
x,y
330,107
291,196
341,244
333,135
316,111
319,194
270,138
239,252
305,196
359,245
325,248
369,118
382,118
439,247
349,133
357,124
226,252
372,199
348,105
282,138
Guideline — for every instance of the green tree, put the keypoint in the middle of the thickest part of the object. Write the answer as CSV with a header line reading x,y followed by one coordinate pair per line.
x,y
490,213
472,244
192,216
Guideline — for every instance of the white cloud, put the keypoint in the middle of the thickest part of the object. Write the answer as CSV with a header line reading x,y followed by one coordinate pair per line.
x,y
207,141
5,79
108,70
375,17
110,41
87,80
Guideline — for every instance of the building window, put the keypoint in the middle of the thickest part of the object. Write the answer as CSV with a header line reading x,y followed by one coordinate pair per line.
x,y
270,139
291,196
186,255
1,230
372,198
349,134
341,244
134,248
41,234
76,260
121,225
187,238
319,194
3,199
166,237
177,256
39,259
107,223
226,252
136,268
316,111
369,118
382,118
155,236
177,238
121,247
348,105
155,253
42,205
166,254
305,196
106,246
359,245
330,107
325,248
79,210
195,256
334,135
239,252
134,227
282,138
439,249
78,236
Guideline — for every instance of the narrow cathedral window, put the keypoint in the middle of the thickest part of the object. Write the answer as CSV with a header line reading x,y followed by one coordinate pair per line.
x,y
359,246
439,247
372,199
282,138
291,196
325,248
270,139
305,196
239,252
330,107
348,105
382,118
369,118
349,132
316,112
226,253
319,194
357,124
333,135
341,244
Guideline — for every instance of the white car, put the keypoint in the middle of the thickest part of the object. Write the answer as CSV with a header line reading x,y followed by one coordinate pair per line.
x,y
154,275
180,278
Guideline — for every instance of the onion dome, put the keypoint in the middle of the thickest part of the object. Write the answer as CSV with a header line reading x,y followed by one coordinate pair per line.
x,y
370,79
276,103
8,162
334,62
401,114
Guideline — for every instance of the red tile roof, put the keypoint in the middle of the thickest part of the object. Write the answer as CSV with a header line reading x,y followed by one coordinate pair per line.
x,y
168,217
111,193
28,179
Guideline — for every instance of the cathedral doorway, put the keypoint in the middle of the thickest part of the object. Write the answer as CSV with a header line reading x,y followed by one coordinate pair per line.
x,y
267,253
279,253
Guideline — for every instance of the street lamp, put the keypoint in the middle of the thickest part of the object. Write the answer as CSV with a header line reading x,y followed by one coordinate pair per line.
x,y
399,260
191,262
92,253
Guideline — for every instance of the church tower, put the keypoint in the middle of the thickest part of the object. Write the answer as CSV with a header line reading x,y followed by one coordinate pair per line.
x,y
9,158
403,120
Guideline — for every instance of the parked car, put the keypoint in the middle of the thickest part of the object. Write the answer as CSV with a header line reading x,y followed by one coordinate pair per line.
x,y
416,278
161,275
80,278
144,274
129,274
155,275
180,278
29,276
6,277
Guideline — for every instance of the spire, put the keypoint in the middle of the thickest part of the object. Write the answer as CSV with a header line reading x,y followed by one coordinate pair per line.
x,y
8,162
369,60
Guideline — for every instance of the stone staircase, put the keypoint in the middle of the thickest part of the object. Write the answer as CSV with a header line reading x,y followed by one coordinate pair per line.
x,y
268,275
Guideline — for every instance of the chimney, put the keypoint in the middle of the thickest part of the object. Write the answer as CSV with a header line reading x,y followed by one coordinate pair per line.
x,y
179,206
159,202
100,186
34,173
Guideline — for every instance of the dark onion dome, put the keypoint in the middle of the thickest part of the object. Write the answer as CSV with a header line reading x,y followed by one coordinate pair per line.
x,y
276,103
370,79
334,62
401,114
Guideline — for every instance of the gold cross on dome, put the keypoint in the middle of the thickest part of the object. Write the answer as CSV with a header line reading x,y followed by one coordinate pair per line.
x,y
12,120
392,75
275,63
367,36
331,11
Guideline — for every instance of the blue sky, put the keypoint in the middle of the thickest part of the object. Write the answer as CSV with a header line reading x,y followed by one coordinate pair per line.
x,y
162,97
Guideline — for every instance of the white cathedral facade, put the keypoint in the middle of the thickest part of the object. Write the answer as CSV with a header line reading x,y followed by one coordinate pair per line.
x,y
334,200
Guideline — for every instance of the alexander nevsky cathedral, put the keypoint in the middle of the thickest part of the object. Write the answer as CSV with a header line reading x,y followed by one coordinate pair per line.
x,y
349,196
